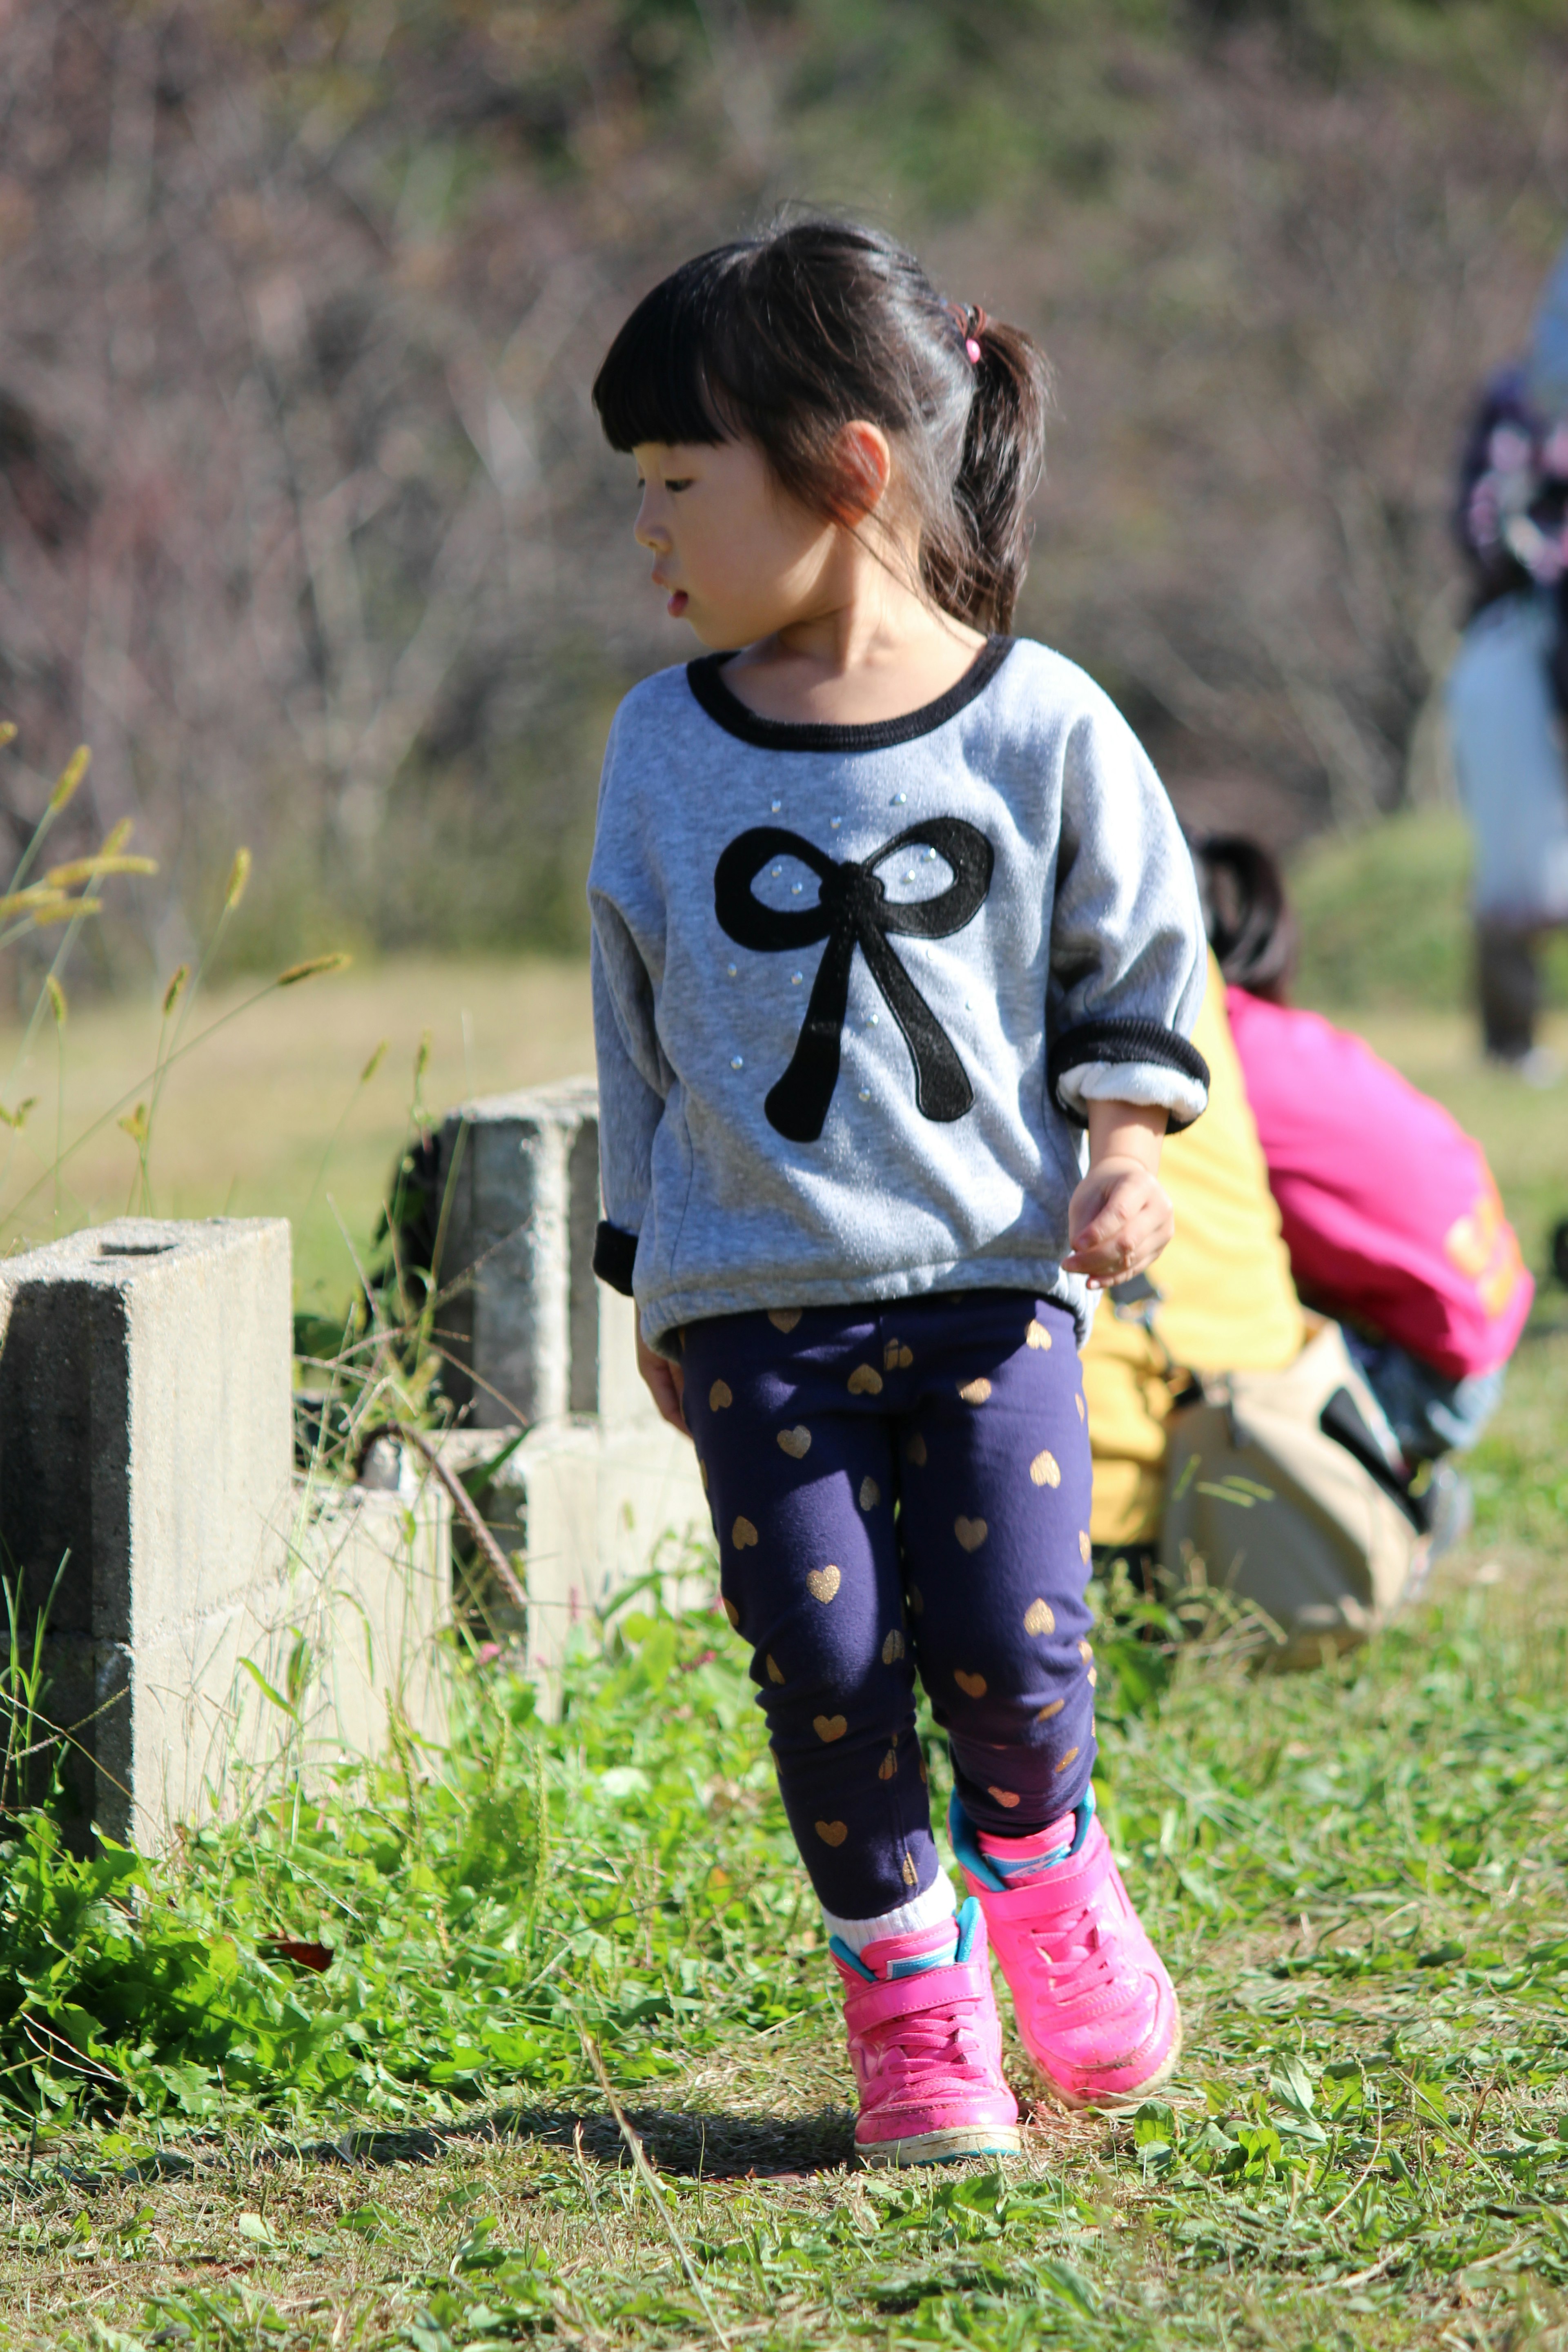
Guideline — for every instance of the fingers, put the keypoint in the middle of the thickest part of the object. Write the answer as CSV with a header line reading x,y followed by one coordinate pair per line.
x,y
665,1383
665,1390
1118,1226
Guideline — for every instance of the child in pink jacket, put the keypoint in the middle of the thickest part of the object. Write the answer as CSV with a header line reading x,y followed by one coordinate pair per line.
x,y
1389,1210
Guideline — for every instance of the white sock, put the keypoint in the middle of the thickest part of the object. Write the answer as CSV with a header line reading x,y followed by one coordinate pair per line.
x,y
928,1909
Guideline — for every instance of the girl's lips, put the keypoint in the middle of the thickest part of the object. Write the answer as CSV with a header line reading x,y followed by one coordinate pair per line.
x,y
677,604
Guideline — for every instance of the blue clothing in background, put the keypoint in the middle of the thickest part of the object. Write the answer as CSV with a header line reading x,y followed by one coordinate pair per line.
x,y
1429,1412
1507,759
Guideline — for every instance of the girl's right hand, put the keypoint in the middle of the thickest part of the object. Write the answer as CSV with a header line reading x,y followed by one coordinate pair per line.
x,y
665,1383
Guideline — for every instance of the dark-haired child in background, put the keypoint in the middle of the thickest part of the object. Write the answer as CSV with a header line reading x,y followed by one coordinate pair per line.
x,y
890,911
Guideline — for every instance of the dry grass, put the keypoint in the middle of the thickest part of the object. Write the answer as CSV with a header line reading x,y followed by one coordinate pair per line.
x,y
243,1125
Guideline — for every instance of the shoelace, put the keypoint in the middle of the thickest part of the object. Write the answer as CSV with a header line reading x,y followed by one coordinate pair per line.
x,y
943,2034
1072,1965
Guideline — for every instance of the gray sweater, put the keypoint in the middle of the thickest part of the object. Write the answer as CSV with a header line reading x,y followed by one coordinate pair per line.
x,y
853,986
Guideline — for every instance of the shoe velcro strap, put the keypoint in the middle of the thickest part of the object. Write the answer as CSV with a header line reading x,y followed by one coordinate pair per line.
x,y
874,2005
1064,1888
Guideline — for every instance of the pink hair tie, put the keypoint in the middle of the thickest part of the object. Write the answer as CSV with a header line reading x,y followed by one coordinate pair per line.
x,y
971,325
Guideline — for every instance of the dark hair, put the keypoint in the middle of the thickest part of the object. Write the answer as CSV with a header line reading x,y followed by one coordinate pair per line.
x,y
1247,914
783,339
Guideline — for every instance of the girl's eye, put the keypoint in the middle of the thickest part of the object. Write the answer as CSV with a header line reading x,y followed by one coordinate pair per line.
x,y
682,482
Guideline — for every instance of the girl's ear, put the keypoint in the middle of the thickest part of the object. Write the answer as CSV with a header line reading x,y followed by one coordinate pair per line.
x,y
864,459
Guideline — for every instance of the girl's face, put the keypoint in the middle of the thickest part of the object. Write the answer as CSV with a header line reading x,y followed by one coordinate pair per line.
x,y
736,557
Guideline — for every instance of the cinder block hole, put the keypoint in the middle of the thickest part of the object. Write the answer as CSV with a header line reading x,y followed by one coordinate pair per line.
x,y
133,1249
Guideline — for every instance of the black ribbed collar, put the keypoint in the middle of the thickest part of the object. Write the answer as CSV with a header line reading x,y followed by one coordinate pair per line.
x,y
705,677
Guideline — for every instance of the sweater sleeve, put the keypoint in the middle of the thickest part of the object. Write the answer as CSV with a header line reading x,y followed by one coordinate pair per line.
x,y
1127,953
626,910
633,1083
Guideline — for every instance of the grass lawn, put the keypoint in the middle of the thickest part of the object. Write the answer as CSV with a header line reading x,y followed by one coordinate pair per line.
x,y
1360,1877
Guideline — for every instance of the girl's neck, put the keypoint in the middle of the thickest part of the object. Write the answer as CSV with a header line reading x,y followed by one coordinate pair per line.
x,y
864,647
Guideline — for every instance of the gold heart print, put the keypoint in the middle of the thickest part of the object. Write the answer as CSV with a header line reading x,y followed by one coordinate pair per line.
x,y
896,1356
1085,1548
702,1472
732,1613
829,1727
742,1534
971,1533
974,1391
1045,1714
1085,1651
1093,1677
1038,1618
719,1396
917,1600
775,1672
822,1583
797,1441
893,1647
1036,1335
916,1451
783,1318
1067,1760
910,1875
971,1686
1007,1798
871,1494
1046,1470
889,1765
1079,1401
865,1381
832,1832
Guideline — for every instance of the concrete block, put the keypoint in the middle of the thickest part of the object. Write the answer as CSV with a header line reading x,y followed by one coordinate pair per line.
x,y
348,1634
145,1417
600,1489
147,1504
521,1185
534,1335
145,1450
592,1507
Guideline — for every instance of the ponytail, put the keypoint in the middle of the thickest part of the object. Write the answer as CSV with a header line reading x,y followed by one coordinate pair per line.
x,y
1003,459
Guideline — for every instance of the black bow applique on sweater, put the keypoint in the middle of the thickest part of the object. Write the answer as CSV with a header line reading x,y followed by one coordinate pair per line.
x,y
853,910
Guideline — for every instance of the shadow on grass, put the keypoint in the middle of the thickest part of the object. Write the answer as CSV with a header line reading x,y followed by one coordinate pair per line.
x,y
716,2147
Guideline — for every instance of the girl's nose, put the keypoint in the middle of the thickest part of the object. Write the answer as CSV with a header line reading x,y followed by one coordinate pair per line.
x,y
649,532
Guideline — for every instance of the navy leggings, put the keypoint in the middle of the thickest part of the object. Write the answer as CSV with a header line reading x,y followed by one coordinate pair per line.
x,y
893,1487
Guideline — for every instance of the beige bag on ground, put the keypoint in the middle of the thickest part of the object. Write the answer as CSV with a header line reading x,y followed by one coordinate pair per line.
x,y
1288,1490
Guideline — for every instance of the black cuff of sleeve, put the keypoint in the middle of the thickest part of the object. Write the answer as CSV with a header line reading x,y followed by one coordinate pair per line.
x,y
1122,1041
615,1254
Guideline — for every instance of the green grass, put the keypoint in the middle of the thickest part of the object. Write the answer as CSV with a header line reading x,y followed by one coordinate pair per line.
x,y
1384,919
1358,1877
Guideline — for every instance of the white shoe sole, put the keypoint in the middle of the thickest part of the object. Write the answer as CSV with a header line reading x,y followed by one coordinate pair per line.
x,y
941,2146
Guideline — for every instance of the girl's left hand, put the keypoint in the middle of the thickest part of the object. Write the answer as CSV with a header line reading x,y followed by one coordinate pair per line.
x,y
1119,1221
666,1384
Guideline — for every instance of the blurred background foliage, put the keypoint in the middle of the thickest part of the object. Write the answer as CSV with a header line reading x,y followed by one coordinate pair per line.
x,y
305,523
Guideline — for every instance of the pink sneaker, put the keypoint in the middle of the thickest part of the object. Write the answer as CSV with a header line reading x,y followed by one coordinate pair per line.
x,y
926,2044
1096,2008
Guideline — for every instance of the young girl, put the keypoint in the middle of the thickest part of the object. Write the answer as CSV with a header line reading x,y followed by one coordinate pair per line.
x,y
889,908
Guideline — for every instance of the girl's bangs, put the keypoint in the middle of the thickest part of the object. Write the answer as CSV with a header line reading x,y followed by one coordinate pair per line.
x,y
653,384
